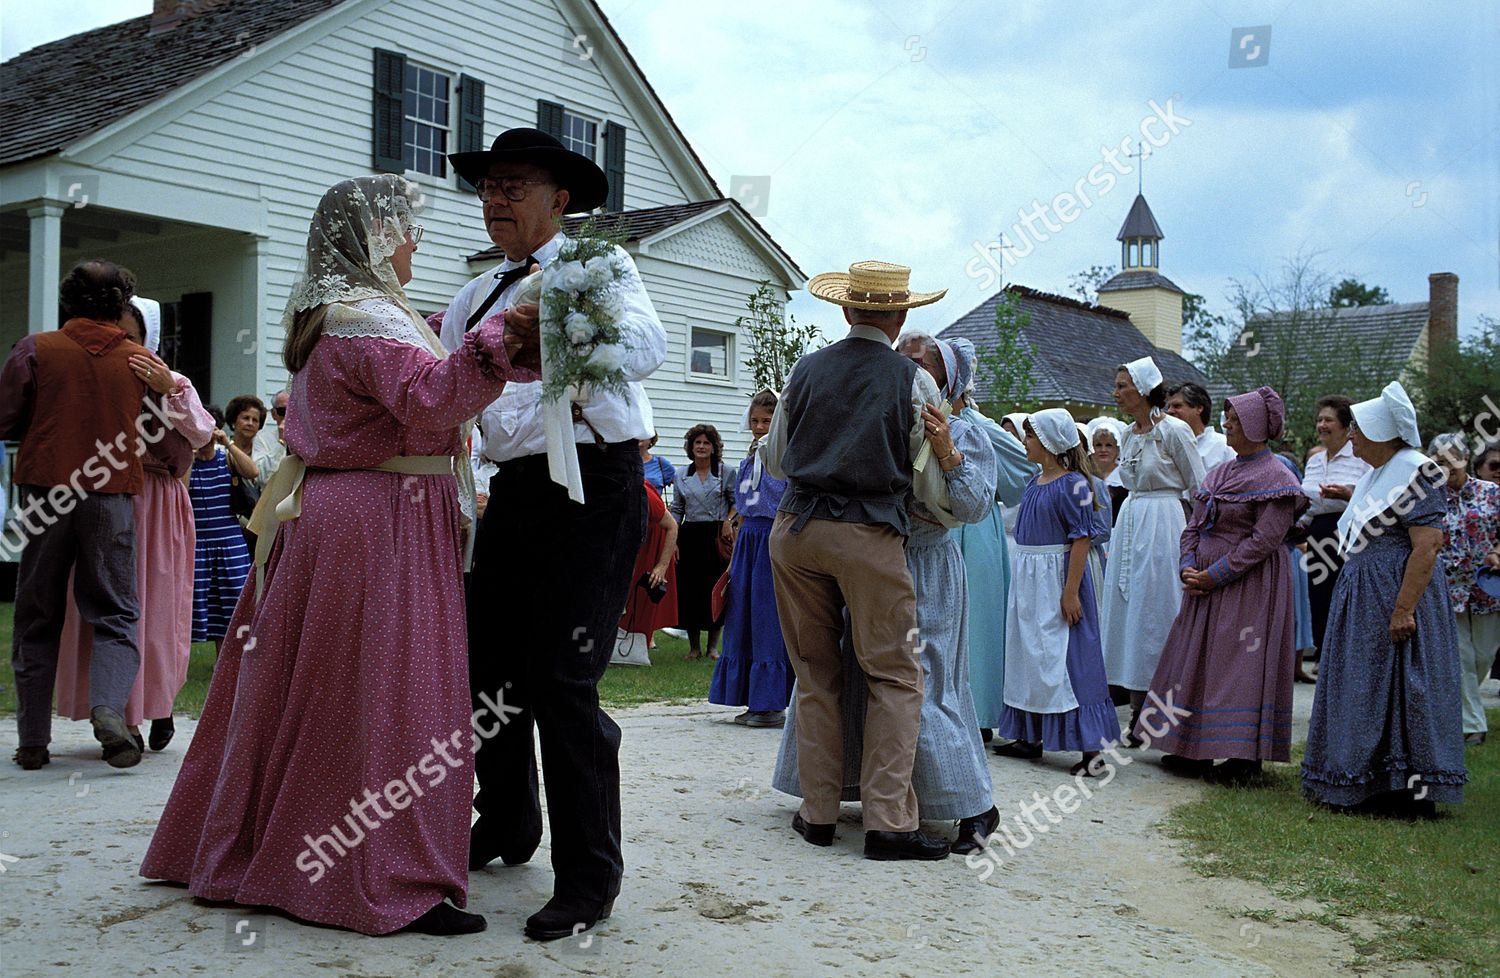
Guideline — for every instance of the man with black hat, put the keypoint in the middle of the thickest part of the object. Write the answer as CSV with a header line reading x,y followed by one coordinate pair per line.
x,y
550,575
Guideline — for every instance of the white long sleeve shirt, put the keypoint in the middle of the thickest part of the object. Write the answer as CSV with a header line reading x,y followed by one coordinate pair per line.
x,y
1344,469
512,425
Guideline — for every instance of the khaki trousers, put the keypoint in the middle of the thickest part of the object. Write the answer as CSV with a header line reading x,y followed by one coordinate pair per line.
x,y
1477,637
818,571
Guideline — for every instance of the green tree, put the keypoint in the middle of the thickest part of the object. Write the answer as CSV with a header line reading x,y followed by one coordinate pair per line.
x,y
1086,283
1352,292
1462,389
1006,368
776,342
1207,337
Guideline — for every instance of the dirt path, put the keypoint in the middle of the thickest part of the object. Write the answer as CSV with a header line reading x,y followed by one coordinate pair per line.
x,y
716,882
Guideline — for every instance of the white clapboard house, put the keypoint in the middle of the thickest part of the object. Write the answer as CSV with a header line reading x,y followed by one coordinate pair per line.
x,y
192,144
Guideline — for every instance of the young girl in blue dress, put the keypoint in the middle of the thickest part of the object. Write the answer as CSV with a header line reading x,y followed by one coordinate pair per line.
x,y
1056,695
753,671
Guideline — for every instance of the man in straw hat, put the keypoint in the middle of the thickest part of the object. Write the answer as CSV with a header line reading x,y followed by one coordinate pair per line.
x,y
845,435
551,575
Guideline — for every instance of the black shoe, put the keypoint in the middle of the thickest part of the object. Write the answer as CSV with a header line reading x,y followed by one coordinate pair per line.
x,y
140,742
1131,740
766,718
120,748
1473,739
986,734
31,758
1019,749
484,849
161,733
1235,771
1186,766
973,832
814,832
446,920
904,845
566,917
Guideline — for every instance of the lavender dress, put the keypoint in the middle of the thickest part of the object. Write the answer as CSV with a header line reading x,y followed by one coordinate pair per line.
x,y
349,679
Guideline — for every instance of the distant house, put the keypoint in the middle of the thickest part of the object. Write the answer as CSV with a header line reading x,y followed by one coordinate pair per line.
x,y
192,144
1355,350
1076,347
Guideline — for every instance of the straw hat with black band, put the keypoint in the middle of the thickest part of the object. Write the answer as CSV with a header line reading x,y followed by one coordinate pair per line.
x,y
873,285
585,183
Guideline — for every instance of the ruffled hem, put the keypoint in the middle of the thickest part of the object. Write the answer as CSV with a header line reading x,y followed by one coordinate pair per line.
x,y
1086,728
1344,789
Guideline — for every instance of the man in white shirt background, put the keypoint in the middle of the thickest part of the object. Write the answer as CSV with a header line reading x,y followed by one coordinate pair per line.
x,y
1190,402
551,576
270,444
1328,480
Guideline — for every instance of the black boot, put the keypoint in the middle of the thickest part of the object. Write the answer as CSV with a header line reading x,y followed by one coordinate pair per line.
x,y
446,920
974,831
566,917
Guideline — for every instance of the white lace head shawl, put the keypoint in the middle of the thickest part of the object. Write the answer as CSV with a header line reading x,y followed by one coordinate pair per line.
x,y
357,227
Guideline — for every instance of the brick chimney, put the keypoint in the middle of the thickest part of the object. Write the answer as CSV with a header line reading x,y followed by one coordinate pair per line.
x,y
1442,314
167,14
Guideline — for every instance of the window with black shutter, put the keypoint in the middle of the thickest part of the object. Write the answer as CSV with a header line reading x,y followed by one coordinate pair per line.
x,y
614,166
389,106
470,119
549,118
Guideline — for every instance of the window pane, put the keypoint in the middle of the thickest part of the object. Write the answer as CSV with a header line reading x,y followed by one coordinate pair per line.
x,y
710,353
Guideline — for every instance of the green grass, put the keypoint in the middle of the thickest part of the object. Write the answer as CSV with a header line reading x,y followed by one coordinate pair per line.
x,y
671,678
1433,888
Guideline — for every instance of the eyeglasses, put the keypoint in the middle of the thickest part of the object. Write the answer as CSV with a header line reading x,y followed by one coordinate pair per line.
x,y
514,188
416,233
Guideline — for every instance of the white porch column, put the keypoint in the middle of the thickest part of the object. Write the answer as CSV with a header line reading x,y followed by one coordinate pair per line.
x,y
46,264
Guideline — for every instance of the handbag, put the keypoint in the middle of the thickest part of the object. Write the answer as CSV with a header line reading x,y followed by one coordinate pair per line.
x,y
718,595
243,495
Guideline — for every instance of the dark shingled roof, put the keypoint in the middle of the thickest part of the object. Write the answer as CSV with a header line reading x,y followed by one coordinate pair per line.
x,y
1370,341
1076,347
1139,278
57,93
638,224
1140,222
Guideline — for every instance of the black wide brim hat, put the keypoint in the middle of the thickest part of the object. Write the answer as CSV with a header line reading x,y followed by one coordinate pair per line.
x,y
585,183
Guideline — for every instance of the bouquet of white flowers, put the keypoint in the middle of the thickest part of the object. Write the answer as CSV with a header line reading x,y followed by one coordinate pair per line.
x,y
582,343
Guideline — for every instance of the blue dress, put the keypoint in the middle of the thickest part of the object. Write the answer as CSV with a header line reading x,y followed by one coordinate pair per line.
x,y
1051,517
753,669
1301,595
221,559
1388,717
660,473
987,565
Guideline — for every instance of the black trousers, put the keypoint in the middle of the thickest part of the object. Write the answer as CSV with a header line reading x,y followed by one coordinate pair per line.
x,y
1324,564
549,584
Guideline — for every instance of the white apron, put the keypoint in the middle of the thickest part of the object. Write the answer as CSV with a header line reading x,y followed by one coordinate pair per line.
x,y
1036,636
1143,587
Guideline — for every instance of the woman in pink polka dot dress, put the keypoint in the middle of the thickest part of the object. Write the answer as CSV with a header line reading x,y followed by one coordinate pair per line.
x,y
331,773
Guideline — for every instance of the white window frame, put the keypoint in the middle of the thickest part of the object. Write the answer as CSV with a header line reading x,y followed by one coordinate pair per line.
x,y
450,130
598,124
726,379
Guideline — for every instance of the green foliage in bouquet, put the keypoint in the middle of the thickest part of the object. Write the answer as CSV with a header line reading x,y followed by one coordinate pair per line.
x,y
581,306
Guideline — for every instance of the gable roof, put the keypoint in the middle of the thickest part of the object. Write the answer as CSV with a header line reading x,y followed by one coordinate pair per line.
x,y
638,225
123,68
1076,347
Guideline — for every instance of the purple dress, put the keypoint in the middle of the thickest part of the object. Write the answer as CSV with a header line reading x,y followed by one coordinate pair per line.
x,y
1052,516
1229,656
331,773
753,669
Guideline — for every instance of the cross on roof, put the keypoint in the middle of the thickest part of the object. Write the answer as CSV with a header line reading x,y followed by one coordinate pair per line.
x,y
1142,152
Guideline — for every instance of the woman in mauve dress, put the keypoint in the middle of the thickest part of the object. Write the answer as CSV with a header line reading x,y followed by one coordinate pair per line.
x,y
1386,734
331,774
163,553
1229,657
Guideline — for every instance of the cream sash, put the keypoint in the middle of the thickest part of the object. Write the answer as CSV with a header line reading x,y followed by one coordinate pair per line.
x,y
281,500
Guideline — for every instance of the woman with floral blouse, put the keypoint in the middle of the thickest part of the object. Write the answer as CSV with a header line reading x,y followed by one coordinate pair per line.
x,y
1473,528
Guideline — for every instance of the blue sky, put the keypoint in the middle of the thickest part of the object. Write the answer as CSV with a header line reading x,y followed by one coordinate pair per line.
x,y
915,132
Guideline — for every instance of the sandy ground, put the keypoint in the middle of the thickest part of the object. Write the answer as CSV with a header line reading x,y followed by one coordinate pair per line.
x,y
716,883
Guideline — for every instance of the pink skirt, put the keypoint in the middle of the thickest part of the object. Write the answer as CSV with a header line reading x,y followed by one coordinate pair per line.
x,y
332,773
164,540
